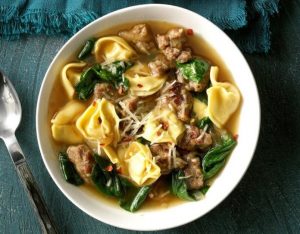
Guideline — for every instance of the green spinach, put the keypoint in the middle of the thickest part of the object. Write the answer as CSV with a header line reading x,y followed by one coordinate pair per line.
x,y
86,49
134,198
201,96
143,141
214,159
68,170
203,122
110,73
105,178
194,70
179,187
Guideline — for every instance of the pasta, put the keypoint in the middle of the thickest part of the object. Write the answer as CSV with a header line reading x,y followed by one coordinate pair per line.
x,y
163,126
142,83
70,75
139,165
63,124
112,49
223,99
100,123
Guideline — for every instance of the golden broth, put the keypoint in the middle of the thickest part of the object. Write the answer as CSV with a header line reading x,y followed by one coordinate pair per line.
x,y
199,47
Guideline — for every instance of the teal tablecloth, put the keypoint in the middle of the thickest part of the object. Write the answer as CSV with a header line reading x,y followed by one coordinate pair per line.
x,y
266,200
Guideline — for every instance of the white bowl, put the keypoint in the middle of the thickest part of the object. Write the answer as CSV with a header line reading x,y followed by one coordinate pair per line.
x,y
237,163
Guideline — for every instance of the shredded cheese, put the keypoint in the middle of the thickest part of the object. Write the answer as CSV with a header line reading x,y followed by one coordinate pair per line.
x,y
202,133
168,86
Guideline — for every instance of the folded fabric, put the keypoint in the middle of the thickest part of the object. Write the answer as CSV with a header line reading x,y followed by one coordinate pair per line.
x,y
247,22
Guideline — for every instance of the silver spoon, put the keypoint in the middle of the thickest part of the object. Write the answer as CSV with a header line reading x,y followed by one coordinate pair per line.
x,y
10,117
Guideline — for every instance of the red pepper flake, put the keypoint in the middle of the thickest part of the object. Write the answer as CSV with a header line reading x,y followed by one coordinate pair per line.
x,y
109,168
99,120
140,85
189,32
164,125
94,103
158,133
235,137
102,144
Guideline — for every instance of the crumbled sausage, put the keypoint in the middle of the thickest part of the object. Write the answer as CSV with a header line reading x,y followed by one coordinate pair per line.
x,y
131,103
163,158
193,172
194,138
171,45
162,41
184,56
180,99
171,53
141,36
159,66
82,157
192,85
104,90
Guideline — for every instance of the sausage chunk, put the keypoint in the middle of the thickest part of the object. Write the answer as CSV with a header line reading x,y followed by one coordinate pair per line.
x,y
104,90
193,172
194,138
163,158
180,100
171,44
185,56
159,66
192,85
131,103
141,36
82,157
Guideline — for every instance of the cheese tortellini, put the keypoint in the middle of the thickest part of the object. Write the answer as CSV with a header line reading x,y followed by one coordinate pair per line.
x,y
223,99
70,75
100,123
142,83
112,49
199,108
163,126
63,124
138,164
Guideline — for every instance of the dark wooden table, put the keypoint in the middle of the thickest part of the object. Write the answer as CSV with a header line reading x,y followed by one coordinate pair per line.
x,y
267,200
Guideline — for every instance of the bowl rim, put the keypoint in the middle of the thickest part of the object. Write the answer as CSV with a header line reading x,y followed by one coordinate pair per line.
x,y
39,103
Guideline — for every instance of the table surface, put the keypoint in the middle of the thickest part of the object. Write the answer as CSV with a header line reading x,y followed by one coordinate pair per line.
x,y
267,200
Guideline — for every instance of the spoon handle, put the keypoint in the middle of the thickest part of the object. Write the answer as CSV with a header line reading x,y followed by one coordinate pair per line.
x,y
30,185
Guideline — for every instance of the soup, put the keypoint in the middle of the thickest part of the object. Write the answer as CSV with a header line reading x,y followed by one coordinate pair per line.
x,y
145,115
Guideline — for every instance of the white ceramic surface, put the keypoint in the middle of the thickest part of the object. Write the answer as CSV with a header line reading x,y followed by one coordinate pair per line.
x,y
238,161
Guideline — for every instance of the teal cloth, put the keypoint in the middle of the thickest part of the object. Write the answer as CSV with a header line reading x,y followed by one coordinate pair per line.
x,y
247,22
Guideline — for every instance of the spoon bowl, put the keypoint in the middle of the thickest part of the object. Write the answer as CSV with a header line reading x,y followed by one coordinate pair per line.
x,y
10,106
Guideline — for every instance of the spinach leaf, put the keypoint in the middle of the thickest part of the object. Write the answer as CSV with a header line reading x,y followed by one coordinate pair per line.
x,y
179,187
143,141
201,96
194,70
134,198
116,71
68,170
86,49
214,159
110,73
106,180
85,86
199,193
203,122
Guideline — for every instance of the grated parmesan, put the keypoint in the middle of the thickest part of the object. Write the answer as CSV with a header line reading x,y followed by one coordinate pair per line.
x,y
202,133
